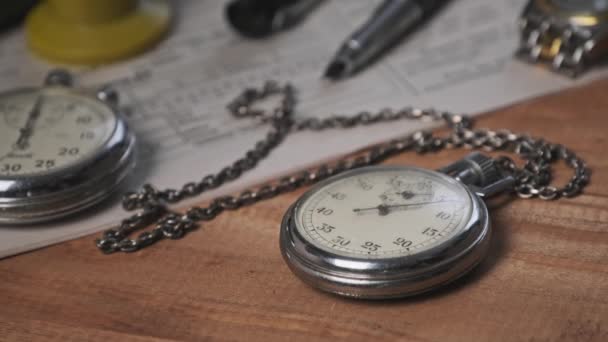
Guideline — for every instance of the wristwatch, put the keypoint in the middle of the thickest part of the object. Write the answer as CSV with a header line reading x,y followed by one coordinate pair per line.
x,y
567,35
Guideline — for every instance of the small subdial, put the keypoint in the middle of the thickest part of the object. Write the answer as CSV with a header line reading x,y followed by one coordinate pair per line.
x,y
402,191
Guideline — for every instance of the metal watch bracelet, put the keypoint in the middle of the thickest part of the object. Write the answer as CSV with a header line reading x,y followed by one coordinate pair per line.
x,y
563,48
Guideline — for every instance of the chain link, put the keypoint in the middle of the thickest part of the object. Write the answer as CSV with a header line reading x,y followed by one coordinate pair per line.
x,y
532,179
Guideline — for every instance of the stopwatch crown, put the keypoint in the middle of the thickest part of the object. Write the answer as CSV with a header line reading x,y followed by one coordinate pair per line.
x,y
475,169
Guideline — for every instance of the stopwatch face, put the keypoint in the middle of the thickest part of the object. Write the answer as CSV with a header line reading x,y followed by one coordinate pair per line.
x,y
384,213
49,129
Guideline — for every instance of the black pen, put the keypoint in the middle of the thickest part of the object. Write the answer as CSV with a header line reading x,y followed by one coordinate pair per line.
x,y
263,18
391,21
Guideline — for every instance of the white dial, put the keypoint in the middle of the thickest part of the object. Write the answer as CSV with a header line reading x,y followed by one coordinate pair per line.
x,y
49,129
384,213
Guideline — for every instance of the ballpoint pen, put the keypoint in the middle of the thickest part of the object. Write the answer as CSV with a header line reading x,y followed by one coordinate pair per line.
x,y
391,21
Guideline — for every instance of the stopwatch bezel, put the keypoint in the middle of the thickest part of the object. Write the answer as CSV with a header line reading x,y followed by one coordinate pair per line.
x,y
381,278
36,198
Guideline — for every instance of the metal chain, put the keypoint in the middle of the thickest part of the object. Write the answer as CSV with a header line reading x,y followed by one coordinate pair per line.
x,y
532,179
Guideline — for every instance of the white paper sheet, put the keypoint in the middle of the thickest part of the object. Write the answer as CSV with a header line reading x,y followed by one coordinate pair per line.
x,y
462,61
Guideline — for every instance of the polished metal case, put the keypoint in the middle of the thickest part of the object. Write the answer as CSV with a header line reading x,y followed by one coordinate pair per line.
x,y
61,192
388,277
567,40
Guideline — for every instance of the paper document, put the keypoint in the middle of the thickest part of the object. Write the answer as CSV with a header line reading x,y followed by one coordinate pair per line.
x,y
175,95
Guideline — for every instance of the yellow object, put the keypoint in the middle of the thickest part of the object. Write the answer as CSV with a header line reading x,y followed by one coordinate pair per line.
x,y
550,48
93,32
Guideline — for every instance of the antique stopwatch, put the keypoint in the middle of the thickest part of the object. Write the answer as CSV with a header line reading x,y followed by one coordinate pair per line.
x,y
392,231
61,150
568,35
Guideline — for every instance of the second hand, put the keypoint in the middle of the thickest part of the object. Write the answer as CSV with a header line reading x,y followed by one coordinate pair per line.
x,y
26,132
385,209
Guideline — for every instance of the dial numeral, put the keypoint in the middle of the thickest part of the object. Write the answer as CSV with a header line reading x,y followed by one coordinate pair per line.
x,y
363,184
430,231
87,135
402,242
326,228
338,195
69,151
443,215
10,168
325,211
47,164
370,246
340,240
83,120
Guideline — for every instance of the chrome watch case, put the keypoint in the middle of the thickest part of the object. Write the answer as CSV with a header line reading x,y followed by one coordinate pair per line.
x,y
398,276
66,190
566,35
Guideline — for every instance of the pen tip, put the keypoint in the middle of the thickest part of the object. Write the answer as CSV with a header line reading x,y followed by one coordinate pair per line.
x,y
335,70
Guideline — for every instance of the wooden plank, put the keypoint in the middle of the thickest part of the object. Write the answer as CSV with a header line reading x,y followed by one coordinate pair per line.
x,y
546,278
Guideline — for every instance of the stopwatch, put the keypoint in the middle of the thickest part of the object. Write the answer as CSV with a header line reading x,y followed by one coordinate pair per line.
x,y
392,231
61,150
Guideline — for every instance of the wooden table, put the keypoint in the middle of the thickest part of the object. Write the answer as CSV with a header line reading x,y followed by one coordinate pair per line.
x,y
546,278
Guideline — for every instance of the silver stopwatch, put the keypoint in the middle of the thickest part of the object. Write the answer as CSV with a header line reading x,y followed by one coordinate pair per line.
x,y
392,231
61,150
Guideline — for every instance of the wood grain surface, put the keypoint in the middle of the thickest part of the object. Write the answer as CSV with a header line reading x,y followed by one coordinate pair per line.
x,y
546,278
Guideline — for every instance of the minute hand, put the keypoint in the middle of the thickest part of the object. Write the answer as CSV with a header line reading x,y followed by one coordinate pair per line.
x,y
386,208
